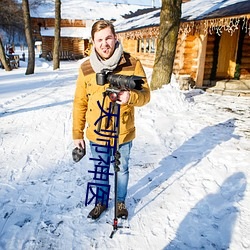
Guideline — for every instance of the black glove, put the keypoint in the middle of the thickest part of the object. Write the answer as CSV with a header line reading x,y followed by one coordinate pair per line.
x,y
78,153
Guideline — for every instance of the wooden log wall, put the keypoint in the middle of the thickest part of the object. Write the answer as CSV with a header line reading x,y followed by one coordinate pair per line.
x,y
190,56
186,55
185,59
131,46
178,61
66,44
47,45
146,59
79,46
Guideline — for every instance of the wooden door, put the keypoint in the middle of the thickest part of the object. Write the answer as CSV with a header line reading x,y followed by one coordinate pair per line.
x,y
227,55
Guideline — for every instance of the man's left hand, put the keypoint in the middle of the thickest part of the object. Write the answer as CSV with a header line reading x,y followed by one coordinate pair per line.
x,y
123,97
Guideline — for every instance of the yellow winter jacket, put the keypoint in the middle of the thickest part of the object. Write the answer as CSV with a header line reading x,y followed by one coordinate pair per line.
x,y
87,94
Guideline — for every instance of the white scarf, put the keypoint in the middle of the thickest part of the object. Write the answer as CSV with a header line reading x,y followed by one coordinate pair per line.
x,y
98,64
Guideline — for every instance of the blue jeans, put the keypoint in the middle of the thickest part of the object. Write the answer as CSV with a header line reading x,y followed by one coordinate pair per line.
x,y
123,174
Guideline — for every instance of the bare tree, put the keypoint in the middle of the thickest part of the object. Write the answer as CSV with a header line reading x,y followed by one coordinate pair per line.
x,y
3,57
11,24
28,33
56,59
168,34
11,16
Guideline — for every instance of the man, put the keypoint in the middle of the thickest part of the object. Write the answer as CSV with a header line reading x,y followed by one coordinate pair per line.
x,y
107,54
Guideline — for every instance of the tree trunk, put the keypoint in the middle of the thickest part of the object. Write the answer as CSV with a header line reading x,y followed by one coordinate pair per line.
x,y
168,34
56,59
28,33
3,57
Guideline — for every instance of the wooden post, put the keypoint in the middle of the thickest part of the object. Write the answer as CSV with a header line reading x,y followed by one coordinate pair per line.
x,y
201,60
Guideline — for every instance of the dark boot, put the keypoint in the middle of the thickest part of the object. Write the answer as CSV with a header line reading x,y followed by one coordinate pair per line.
x,y
97,211
122,211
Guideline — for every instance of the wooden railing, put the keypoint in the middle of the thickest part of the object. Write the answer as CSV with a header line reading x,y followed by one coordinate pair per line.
x,y
64,55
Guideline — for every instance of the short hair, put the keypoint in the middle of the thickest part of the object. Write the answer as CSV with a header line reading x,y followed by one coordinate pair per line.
x,y
100,25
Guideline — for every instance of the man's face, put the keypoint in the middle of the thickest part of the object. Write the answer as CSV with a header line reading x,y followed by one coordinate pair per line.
x,y
104,42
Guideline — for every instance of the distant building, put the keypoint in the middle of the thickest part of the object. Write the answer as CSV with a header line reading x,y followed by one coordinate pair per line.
x,y
74,37
77,19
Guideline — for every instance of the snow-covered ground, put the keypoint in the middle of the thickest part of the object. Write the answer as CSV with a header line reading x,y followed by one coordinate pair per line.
x,y
189,169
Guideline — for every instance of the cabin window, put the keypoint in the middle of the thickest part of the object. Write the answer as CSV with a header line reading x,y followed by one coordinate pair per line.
x,y
152,45
146,45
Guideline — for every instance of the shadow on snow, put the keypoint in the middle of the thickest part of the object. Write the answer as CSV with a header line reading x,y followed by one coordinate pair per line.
x,y
215,221
190,153
23,110
210,223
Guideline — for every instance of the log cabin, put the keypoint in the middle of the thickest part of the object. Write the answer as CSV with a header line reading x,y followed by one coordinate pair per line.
x,y
74,37
213,41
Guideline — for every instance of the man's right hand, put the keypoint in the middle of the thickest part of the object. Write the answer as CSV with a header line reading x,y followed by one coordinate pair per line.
x,y
79,143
